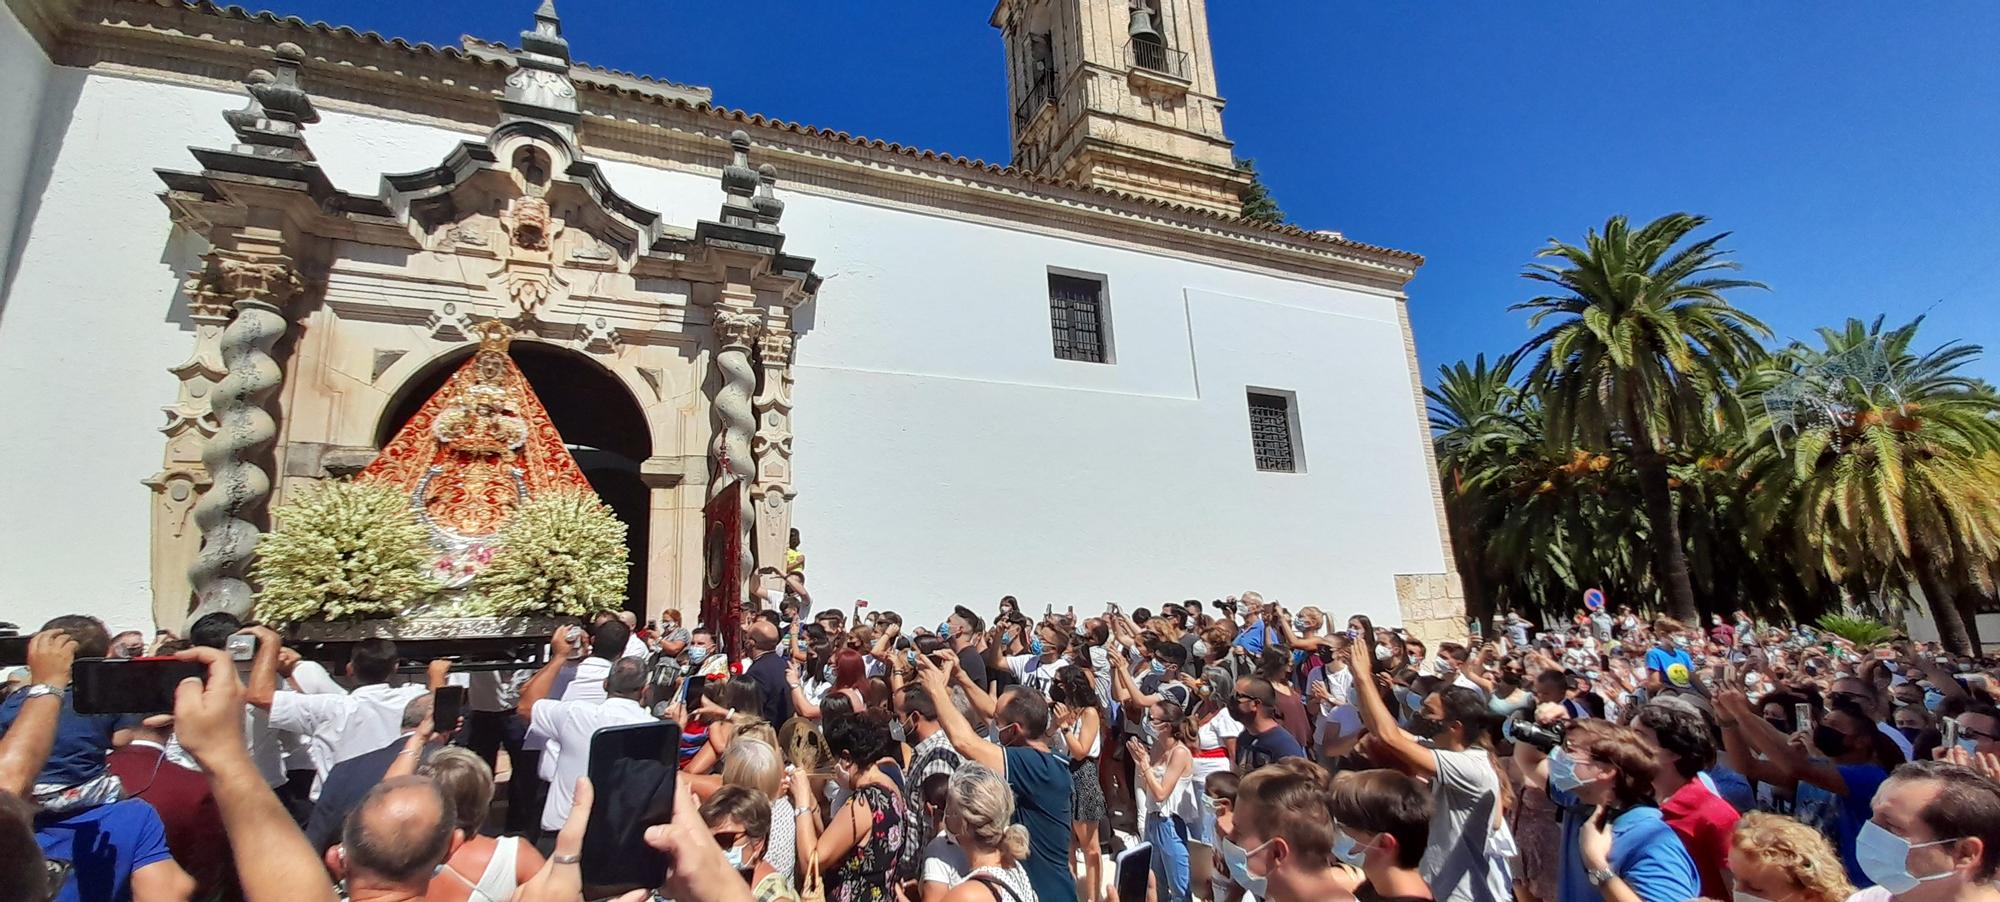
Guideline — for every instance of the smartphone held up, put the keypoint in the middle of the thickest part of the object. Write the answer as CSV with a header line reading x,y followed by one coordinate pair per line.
x,y
129,685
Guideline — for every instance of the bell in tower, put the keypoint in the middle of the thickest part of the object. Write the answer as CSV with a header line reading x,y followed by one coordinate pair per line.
x,y
1120,94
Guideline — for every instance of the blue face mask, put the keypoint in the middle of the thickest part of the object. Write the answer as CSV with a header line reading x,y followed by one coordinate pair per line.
x,y
734,855
1348,850
1035,647
1562,771
696,654
944,629
1299,625
1885,858
1933,699
1159,669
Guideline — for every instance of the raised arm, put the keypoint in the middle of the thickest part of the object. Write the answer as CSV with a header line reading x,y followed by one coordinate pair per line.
x,y
932,675
1475,667
264,667
208,718
801,705
25,747
976,695
544,681
1376,717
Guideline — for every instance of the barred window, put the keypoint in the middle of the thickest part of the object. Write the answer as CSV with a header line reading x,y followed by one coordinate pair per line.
x,y
1076,318
1274,438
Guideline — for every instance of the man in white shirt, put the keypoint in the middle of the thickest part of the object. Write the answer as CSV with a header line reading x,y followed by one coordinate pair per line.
x,y
1039,668
339,727
569,725
635,647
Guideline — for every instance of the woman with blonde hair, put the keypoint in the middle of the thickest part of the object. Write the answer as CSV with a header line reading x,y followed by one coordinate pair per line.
x,y
979,814
482,869
755,763
1778,859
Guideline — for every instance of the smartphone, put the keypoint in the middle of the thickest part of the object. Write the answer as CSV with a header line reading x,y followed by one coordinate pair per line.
x,y
1950,734
1802,716
576,649
447,706
129,685
632,771
691,689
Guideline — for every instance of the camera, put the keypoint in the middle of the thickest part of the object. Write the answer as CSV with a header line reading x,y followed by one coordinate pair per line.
x,y
1522,728
242,648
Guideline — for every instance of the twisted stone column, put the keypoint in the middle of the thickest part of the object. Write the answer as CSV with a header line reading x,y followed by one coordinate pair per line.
x,y
243,431
773,447
736,330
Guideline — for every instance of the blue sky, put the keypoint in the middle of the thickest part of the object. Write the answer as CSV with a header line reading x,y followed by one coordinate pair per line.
x,y
1853,149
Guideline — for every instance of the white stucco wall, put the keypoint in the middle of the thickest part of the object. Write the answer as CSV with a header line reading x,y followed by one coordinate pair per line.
x,y
24,70
943,454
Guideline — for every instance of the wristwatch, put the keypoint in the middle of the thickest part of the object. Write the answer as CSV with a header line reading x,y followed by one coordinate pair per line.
x,y
37,690
1600,877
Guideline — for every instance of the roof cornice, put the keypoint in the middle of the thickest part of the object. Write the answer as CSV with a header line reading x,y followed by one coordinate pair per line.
x,y
201,43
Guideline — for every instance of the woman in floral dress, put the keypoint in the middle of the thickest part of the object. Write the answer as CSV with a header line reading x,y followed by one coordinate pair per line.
x,y
857,845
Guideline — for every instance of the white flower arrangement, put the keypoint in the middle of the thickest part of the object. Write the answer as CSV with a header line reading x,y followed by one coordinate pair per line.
x,y
561,553
342,551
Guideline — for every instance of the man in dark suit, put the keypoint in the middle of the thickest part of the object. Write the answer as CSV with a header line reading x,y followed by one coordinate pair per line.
x,y
768,670
350,780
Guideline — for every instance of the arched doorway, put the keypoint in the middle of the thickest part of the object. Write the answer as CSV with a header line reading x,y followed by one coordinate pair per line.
x,y
599,421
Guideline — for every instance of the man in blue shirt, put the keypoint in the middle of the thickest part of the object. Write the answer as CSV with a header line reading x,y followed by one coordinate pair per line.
x,y
1613,834
1260,631
1669,649
81,740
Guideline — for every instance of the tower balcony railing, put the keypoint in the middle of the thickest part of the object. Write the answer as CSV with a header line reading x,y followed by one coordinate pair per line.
x,y
1154,56
1041,93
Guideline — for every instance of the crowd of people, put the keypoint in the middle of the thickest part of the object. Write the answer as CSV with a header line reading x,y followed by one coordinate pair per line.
x,y
1228,751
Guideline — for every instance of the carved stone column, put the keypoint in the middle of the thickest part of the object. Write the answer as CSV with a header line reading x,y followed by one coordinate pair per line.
x,y
736,329
773,448
182,477
257,286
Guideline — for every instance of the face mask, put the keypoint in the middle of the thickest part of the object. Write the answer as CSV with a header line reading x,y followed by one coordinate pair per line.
x,y
1252,853
826,674
1680,641
1299,625
1562,771
1159,669
1831,742
944,629
735,857
697,654
1933,699
1779,724
1885,858
1035,647
1382,653
1200,649
1236,860
1425,726
1970,745
1910,733
1348,850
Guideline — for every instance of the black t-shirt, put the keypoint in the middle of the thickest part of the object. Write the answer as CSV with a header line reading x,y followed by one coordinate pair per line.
x,y
974,665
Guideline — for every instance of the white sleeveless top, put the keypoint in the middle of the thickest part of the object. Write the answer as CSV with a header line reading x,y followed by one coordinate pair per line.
x,y
1180,797
497,881
1096,740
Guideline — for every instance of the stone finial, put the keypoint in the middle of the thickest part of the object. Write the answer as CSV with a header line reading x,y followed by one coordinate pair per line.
x,y
769,208
273,122
539,87
739,184
546,38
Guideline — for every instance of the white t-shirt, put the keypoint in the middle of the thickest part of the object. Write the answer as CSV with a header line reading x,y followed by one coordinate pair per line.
x,y
1464,822
569,726
340,727
1041,677
944,861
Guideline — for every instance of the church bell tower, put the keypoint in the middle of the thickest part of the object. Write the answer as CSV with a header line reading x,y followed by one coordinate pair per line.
x,y
1120,94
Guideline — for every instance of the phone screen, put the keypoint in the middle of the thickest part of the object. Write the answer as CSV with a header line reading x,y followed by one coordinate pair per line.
x,y
691,689
447,705
632,772
130,685
1950,733
1801,716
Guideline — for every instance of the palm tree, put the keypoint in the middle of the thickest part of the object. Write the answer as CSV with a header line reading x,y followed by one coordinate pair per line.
x,y
1638,355
1884,463
1474,415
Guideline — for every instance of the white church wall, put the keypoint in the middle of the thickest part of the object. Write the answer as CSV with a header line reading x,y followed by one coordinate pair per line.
x,y
944,454
25,70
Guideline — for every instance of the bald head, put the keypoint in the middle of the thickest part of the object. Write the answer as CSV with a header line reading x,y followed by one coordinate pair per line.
x,y
418,709
763,636
399,834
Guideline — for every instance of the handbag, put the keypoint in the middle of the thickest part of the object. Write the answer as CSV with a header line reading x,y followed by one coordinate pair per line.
x,y
810,887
